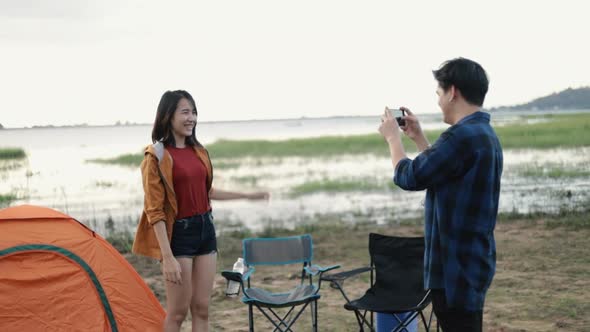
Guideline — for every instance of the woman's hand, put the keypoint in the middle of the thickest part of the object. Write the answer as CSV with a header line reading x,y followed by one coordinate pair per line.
x,y
171,270
260,195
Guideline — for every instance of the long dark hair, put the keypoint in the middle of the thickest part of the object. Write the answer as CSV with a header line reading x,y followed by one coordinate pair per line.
x,y
162,131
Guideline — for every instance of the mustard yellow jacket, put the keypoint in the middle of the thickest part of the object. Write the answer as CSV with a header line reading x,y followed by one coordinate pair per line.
x,y
159,198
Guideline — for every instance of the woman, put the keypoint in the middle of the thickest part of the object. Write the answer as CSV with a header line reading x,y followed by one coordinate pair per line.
x,y
176,224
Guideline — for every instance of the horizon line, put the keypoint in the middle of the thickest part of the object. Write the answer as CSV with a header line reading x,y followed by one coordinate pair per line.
x,y
128,123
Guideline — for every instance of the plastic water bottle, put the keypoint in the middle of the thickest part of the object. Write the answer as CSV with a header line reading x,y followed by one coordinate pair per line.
x,y
233,287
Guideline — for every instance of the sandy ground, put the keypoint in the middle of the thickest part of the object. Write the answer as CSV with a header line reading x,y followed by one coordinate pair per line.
x,y
542,281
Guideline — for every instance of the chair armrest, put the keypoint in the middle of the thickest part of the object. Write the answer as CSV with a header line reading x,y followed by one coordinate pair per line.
x,y
346,274
232,276
316,269
237,276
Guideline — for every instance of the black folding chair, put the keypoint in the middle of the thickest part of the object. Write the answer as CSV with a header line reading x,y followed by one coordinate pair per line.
x,y
397,286
277,252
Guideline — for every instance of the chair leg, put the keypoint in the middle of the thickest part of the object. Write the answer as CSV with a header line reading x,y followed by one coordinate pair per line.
x,y
276,325
282,321
312,320
250,318
315,316
358,316
426,325
403,324
365,321
284,324
296,317
362,321
369,323
428,321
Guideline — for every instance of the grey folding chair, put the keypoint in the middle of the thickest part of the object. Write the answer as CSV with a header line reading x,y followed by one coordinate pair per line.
x,y
277,252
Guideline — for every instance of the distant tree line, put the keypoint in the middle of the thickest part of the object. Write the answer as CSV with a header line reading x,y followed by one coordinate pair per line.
x,y
567,99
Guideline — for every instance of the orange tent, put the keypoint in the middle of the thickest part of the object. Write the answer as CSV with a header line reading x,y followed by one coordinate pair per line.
x,y
58,275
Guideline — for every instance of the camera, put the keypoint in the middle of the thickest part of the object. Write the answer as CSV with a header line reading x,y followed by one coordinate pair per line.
x,y
398,114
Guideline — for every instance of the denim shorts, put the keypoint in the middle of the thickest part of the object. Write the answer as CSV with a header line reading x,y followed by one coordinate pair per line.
x,y
194,236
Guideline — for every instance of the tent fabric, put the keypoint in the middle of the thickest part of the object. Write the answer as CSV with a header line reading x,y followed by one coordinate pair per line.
x,y
58,275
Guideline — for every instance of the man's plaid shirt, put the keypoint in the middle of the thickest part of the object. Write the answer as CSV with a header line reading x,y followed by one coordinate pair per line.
x,y
461,173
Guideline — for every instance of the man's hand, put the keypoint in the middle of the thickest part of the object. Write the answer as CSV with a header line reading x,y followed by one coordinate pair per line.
x,y
389,128
413,130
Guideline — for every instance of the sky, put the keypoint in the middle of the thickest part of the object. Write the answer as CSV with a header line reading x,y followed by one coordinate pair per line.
x,y
65,62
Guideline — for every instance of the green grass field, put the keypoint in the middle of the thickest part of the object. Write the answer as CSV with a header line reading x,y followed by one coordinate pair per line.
x,y
341,185
12,153
125,160
568,131
571,130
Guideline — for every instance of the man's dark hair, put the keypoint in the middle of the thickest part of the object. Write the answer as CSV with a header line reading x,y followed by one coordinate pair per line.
x,y
162,130
466,76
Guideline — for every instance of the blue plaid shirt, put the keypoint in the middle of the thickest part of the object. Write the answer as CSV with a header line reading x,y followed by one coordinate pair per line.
x,y
461,174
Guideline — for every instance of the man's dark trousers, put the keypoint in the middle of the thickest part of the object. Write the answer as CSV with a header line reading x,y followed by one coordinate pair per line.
x,y
454,319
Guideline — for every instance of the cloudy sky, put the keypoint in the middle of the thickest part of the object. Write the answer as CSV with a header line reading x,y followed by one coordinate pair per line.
x,y
98,62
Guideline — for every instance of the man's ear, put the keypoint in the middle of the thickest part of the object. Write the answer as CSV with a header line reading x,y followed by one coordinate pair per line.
x,y
452,93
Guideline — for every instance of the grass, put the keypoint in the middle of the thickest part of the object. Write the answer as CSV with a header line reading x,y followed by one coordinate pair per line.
x,y
340,185
129,159
247,179
525,268
542,281
222,164
327,146
103,184
122,241
12,153
570,130
540,272
554,171
6,199
572,219
566,130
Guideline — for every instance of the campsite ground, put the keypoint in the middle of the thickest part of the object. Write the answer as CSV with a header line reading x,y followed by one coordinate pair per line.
x,y
542,281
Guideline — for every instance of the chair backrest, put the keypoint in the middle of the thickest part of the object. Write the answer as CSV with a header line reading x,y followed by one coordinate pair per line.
x,y
398,263
278,251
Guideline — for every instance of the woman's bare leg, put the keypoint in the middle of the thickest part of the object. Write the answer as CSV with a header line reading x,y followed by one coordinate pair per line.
x,y
178,296
203,275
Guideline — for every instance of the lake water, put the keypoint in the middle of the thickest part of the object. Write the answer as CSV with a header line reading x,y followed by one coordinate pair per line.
x,y
56,174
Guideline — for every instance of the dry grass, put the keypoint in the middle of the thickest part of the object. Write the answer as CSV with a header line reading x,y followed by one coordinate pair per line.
x,y
542,281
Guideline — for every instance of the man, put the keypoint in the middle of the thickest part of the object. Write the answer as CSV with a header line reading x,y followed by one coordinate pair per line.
x,y
461,174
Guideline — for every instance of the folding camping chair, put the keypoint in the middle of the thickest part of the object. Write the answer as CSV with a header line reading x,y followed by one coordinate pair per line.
x,y
396,287
277,252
